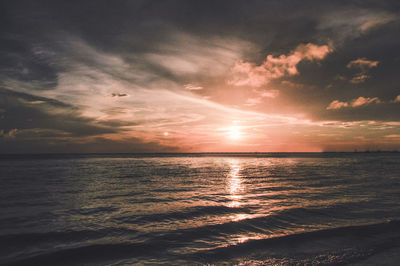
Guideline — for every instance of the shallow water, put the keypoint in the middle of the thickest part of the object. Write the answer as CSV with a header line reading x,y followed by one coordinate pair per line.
x,y
251,209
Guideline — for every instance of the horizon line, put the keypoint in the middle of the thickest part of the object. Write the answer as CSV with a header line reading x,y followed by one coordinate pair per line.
x,y
196,153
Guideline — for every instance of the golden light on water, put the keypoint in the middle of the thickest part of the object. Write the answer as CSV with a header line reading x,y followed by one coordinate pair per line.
x,y
234,183
236,189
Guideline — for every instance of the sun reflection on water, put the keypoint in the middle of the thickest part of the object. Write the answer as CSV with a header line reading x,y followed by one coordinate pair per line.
x,y
234,184
237,190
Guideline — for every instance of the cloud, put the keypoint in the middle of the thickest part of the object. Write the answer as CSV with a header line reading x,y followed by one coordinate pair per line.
x,y
360,101
184,55
359,78
375,22
336,104
249,74
397,99
363,65
19,113
347,23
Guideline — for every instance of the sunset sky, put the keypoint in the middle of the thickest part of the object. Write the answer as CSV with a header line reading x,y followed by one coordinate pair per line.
x,y
199,76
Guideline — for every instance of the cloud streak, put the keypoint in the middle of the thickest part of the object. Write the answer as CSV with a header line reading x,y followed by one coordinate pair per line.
x,y
347,23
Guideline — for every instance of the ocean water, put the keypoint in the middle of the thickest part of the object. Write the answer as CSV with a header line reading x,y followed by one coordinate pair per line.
x,y
185,209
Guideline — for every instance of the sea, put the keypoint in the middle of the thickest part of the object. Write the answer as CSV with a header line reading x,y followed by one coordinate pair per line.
x,y
200,209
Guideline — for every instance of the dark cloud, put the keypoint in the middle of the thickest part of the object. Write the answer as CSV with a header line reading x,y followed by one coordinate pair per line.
x,y
24,111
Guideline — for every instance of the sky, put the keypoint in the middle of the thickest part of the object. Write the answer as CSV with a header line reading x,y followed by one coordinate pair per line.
x,y
199,76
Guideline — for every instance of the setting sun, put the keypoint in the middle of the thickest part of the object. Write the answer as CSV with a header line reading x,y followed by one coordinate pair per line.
x,y
234,133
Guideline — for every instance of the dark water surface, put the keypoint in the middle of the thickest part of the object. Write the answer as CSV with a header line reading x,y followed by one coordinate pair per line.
x,y
249,209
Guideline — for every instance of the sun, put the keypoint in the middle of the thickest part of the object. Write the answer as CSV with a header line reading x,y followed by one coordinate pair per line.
x,y
234,133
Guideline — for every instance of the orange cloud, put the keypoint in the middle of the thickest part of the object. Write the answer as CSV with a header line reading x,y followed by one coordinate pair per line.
x,y
397,99
359,78
362,63
249,74
375,22
336,104
360,101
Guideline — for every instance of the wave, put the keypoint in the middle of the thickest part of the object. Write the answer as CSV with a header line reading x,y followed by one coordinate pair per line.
x,y
361,241
93,210
187,213
368,239
291,219
287,221
267,223
32,238
89,254
12,243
